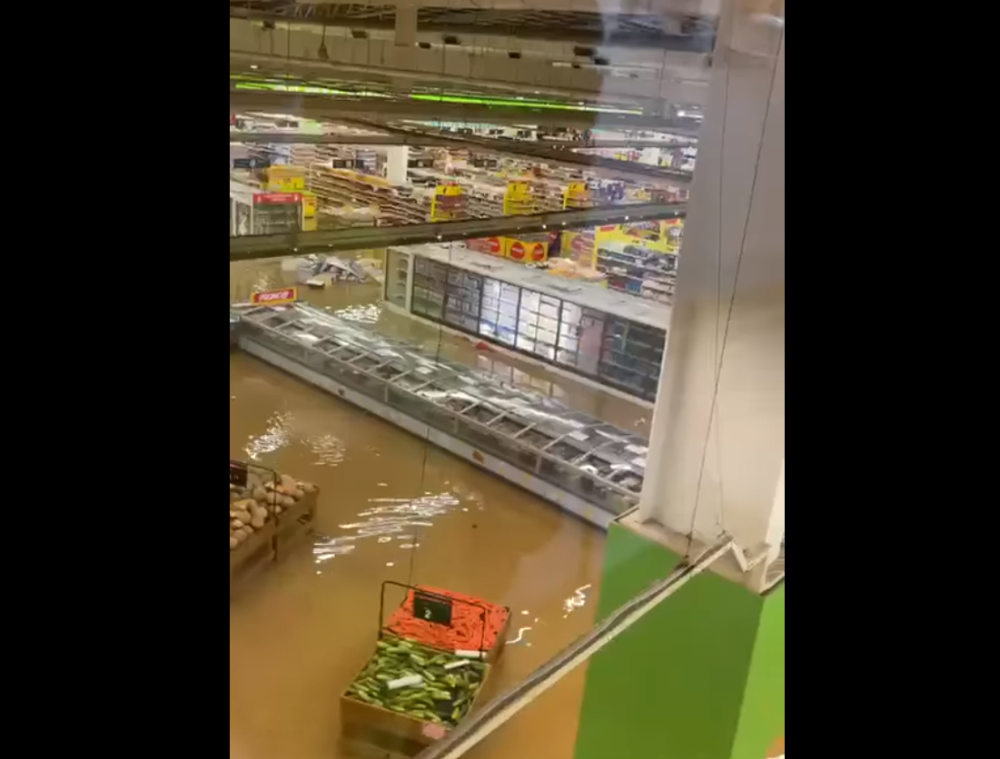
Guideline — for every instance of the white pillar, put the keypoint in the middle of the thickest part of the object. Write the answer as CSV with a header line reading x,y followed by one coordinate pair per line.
x,y
717,448
406,23
396,160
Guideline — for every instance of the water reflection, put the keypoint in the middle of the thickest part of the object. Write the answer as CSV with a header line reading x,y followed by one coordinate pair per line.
x,y
367,313
577,601
385,519
276,436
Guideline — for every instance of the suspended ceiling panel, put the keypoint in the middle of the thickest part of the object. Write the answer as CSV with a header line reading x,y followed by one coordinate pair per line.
x,y
686,26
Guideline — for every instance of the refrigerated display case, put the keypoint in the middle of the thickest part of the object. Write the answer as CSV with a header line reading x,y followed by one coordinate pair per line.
x,y
429,284
584,465
582,327
398,273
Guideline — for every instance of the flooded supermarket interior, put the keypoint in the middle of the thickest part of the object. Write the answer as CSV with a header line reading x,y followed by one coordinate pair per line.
x,y
506,406
393,507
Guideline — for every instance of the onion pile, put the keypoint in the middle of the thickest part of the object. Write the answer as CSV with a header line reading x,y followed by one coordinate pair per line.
x,y
253,506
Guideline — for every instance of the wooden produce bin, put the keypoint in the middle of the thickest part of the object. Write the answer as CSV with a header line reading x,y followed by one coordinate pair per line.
x,y
370,730
402,622
295,525
255,553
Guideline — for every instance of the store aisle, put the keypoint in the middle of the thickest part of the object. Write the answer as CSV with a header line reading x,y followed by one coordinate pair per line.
x,y
390,509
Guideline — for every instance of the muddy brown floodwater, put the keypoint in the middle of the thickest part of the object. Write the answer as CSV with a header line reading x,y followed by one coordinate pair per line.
x,y
393,508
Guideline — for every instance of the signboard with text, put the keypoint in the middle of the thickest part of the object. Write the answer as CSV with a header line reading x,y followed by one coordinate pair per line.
x,y
275,297
277,197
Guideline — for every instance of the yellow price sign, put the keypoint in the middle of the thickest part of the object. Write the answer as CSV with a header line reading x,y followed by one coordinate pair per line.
x,y
518,191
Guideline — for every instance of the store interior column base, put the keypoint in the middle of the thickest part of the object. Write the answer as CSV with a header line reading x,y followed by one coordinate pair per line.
x,y
700,677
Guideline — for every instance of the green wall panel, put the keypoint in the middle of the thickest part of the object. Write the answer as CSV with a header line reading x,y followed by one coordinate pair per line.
x,y
672,686
763,717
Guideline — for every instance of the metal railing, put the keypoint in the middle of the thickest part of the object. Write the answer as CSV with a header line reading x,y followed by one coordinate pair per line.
x,y
481,724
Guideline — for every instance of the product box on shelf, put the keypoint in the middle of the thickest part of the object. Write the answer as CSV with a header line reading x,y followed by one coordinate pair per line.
x,y
493,246
530,250
284,178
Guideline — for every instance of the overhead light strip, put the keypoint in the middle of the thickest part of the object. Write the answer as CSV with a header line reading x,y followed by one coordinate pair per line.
x,y
458,99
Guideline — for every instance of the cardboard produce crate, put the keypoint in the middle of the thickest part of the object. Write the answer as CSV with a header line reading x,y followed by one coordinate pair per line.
x,y
424,632
371,730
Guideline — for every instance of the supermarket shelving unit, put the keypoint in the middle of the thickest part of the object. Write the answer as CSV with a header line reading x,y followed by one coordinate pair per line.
x,y
631,269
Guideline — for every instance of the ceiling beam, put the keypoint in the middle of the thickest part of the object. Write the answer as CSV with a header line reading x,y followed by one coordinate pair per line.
x,y
624,36
323,107
429,140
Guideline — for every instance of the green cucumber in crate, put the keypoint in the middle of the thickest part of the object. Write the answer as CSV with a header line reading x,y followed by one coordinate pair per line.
x,y
428,692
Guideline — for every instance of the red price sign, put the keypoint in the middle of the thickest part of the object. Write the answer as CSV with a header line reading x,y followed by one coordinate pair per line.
x,y
277,197
275,297
517,251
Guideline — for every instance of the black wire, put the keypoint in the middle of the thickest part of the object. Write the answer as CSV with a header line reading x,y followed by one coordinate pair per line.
x,y
418,533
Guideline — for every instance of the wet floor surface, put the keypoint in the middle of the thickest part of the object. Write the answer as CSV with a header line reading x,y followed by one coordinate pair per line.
x,y
392,508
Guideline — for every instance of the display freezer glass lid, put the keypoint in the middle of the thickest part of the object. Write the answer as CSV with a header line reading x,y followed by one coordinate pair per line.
x,y
547,424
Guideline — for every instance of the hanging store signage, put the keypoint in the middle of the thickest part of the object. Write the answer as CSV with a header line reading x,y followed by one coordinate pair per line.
x,y
517,250
432,608
274,198
252,163
237,474
275,297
